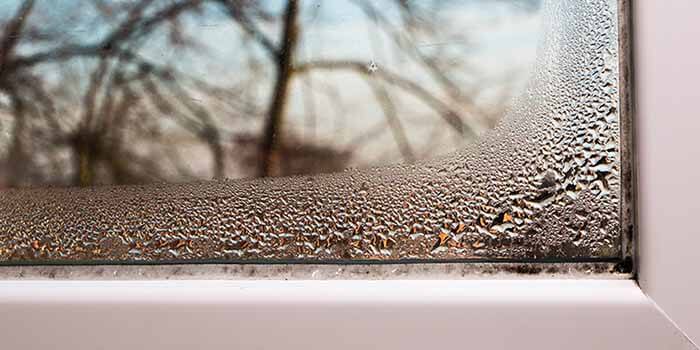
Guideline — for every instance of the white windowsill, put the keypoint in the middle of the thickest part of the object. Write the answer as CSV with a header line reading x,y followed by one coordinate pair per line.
x,y
333,315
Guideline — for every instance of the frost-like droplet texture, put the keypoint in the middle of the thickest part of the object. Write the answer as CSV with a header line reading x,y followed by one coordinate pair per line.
x,y
544,184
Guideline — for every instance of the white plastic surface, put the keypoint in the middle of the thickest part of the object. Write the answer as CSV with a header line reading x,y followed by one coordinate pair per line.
x,y
332,315
667,63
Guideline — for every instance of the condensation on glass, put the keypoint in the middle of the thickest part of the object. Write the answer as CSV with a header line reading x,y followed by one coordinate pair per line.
x,y
543,185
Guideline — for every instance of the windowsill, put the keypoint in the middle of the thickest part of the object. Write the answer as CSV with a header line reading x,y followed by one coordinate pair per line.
x,y
553,314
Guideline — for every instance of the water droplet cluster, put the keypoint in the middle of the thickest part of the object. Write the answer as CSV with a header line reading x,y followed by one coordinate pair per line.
x,y
544,184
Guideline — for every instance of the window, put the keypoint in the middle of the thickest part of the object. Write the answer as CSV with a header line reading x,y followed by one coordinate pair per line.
x,y
416,314
143,92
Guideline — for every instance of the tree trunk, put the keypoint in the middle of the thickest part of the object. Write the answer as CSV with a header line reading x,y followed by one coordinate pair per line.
x,y
285,60
16,158
86,155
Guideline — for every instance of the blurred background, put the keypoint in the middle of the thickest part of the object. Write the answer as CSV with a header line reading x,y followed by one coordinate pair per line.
x,y
137,91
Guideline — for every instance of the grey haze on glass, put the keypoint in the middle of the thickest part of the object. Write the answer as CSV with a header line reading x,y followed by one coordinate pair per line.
x,y
543,184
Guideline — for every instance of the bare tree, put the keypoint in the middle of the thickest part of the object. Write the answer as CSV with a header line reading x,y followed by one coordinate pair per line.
x,y
104,101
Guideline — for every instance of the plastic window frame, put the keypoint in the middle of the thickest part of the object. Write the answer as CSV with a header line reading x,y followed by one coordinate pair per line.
x,y
492,314
447,268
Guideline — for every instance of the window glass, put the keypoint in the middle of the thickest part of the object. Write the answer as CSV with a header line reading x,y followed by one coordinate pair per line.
x,y
309,131
127,92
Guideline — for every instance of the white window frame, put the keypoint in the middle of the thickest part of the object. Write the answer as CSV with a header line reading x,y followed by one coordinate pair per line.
x,y
659,312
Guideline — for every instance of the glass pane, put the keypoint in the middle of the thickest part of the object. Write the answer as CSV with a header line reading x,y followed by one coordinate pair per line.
x,y
125,92
466,130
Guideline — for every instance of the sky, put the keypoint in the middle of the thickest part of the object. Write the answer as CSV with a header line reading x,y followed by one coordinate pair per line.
x,y
500,47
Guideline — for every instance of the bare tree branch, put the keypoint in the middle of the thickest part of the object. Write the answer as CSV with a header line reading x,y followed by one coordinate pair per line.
x,y
408,45
236,11
393,120
451,117
134,25
13,32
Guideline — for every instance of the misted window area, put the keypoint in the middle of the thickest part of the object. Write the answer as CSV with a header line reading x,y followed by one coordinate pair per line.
x,y
309,131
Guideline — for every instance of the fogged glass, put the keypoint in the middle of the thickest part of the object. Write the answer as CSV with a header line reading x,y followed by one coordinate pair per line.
x,y
500,116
